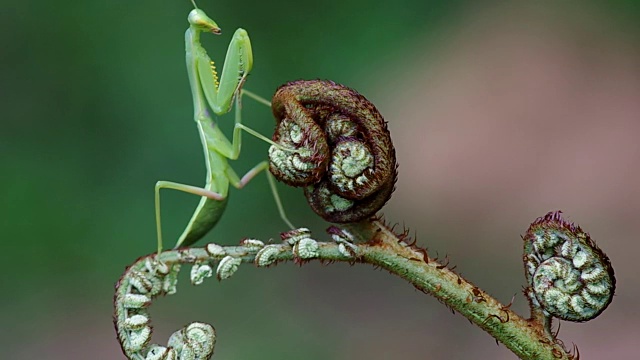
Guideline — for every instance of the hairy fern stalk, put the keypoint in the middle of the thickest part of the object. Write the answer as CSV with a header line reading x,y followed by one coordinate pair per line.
x,y
343,157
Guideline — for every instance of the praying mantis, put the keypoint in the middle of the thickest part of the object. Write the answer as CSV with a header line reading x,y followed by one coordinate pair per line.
x,y
219,94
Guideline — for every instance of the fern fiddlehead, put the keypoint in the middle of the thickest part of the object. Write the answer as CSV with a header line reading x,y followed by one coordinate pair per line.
x,y
344,157
568,276
142,282
157,275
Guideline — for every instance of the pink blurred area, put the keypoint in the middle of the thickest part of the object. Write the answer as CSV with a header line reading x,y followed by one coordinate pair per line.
x,y
522,110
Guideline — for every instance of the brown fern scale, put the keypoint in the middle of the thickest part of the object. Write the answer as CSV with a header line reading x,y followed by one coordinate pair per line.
x,y
345,159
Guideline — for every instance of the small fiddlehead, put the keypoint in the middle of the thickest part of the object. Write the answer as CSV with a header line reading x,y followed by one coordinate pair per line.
x,y
343,157
568,276
141,283
157,274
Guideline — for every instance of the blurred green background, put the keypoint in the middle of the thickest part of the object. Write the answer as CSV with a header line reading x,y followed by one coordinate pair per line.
x,y
499,112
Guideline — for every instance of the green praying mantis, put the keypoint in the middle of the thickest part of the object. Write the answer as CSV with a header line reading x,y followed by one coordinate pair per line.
x,y
219,94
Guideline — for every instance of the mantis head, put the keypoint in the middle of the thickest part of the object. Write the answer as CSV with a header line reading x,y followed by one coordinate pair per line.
x,y
200,21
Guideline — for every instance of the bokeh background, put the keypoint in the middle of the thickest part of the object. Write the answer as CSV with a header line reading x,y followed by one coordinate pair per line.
x,y
500,112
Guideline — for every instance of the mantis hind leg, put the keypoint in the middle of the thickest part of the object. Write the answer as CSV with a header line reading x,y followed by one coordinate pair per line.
x,y
234,151
262,166
276,198
256,97
217,149
211,203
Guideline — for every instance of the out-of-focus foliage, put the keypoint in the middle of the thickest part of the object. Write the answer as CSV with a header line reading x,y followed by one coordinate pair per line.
x,y
96,108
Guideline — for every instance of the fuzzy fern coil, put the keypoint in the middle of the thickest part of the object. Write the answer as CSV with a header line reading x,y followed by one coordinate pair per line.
x,y
343,154
568,276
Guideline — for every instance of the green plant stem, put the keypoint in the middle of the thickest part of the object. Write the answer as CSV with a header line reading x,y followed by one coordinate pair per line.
x,y
378,245
525,338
